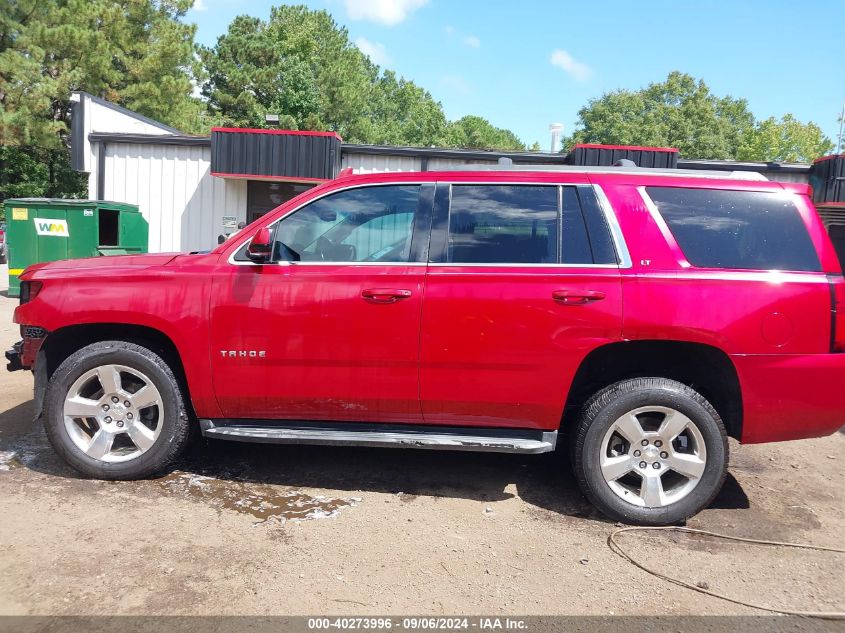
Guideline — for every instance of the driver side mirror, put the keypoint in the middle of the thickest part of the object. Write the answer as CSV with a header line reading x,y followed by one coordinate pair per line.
x,y
260,247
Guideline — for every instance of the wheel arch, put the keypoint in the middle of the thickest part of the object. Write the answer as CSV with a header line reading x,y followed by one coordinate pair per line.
x,y
705,368
63,342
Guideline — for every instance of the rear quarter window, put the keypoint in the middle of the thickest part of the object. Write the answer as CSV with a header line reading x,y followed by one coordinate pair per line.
x,y
749,230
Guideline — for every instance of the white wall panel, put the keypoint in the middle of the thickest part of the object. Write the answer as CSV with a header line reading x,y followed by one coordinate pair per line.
x,y
111,119
786,177
101,117
372,163
175,191
438,164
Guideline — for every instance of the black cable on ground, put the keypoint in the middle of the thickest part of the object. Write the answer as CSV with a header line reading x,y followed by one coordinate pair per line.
x,y
615,547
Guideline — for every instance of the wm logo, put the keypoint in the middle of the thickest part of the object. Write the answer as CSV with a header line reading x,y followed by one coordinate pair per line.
x,y
55,228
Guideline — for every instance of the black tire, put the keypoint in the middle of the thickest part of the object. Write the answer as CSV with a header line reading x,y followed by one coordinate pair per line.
x,y
601,412
176,425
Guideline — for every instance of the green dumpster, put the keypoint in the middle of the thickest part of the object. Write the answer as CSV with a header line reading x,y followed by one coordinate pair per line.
x,y
46,230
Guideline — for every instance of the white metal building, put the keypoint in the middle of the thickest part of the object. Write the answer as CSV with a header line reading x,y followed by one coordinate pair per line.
x,y
130,158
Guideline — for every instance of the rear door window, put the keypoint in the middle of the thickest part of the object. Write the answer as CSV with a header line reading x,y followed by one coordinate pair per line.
x,y
749,230
524,224
503,224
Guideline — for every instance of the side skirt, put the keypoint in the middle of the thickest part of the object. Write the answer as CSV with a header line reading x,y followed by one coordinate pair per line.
x,y
382,435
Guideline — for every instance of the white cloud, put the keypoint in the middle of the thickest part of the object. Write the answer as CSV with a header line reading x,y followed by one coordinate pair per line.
x,y
374,50
568,63
200,5
387,12
472,41
456,83
469,40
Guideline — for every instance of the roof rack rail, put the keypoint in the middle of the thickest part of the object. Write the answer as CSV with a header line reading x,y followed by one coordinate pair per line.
x,y
622,169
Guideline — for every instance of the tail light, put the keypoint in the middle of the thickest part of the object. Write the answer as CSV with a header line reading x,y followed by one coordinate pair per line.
x,y
837,296
29,290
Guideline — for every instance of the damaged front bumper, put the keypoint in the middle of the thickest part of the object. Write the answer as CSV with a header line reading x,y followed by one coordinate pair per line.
x,y
28,354
24,352
14,357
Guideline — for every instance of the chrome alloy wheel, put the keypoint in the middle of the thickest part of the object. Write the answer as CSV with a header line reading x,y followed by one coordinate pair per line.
x,y
653,456
113,413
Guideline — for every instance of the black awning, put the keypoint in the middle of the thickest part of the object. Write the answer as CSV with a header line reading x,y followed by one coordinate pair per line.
x,y
598,155
275,154
828,179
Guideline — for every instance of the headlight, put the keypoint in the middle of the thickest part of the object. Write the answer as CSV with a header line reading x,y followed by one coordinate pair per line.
x,y
29,290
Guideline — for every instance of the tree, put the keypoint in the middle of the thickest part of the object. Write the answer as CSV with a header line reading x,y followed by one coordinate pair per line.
x,y
248,77
133,52
301,65
786,140
158,63
38,173
478,133
682,112
405,114
136,53
679,112
32,172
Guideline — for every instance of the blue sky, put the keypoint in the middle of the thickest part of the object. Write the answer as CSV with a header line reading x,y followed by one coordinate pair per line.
x,y
524,64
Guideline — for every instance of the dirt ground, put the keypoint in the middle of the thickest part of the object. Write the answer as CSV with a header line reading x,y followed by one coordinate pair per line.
x,y
251,529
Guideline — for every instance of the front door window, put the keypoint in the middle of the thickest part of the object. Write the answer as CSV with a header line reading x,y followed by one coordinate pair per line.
x,y
372,224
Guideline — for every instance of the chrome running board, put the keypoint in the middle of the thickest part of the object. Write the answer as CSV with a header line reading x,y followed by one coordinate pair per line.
x,y
387,435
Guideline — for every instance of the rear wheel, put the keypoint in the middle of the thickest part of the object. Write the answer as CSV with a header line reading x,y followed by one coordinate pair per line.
x,y
113,410
650,451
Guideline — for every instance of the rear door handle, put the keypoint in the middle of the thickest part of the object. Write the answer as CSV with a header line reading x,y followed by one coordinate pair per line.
x,y
577,297
384,295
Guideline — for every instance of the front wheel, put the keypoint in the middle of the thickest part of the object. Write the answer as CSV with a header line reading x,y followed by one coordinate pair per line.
x,y
113,410
650,451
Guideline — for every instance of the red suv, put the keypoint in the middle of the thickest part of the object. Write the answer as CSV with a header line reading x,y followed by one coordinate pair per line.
x,y
644,315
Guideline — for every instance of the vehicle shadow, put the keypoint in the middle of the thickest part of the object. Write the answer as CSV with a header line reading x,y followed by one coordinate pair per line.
x,y
544,481
15,423
541,480
731,496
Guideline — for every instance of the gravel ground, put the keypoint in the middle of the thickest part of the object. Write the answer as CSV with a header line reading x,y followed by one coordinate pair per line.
x,y
250,529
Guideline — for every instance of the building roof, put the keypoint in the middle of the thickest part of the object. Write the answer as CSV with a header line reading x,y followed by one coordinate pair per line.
x,y
536,158
149,139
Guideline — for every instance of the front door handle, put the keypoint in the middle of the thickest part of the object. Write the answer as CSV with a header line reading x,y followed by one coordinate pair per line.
x,y
384,295
577,297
